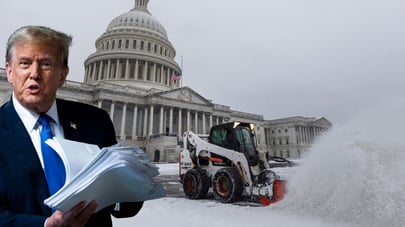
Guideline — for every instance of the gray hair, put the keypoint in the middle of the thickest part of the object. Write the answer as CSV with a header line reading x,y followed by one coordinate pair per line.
x,y
40,34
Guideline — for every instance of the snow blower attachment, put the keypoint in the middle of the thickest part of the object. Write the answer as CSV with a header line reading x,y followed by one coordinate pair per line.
x,y
230,164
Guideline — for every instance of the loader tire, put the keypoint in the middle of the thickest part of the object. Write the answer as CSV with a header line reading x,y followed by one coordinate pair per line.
x,y
227,185
195,184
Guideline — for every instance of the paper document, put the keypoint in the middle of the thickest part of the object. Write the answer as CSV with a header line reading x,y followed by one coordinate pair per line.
x,y
108,176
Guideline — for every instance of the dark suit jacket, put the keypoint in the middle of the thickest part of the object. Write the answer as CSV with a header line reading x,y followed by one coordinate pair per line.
x,y
23,186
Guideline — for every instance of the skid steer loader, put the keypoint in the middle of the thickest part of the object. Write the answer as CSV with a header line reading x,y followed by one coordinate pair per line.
x,y
230,165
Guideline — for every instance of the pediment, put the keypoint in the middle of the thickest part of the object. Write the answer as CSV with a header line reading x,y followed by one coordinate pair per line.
x,y
184,94
323,121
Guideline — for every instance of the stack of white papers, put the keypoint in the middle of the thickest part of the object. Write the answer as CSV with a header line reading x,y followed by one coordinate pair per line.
x,y
108,176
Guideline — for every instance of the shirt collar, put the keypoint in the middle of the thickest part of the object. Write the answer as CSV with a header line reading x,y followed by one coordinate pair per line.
x,y
30,118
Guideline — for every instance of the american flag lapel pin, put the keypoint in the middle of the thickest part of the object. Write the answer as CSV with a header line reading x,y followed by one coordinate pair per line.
x,y
73,125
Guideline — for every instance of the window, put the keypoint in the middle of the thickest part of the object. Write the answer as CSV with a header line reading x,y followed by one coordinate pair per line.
x,y
126,44
119,44
134,44
285,130
113,44
142,45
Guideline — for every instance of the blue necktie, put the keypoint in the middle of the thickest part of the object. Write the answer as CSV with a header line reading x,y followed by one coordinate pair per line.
x,y
53,165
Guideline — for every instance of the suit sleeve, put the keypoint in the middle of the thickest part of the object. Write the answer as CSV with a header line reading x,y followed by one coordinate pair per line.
x,y
8,219
18,220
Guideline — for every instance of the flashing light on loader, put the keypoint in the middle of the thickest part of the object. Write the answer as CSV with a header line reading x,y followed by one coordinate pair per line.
x,y
230,164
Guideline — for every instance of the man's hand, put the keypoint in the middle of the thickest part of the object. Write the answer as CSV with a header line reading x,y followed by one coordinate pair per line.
x,y
76,217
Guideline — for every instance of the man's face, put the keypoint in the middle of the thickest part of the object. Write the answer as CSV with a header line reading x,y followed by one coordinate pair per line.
x,y
35,72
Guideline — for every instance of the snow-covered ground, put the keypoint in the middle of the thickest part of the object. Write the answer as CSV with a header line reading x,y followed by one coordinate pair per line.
x,y
194,213
353,176
183,212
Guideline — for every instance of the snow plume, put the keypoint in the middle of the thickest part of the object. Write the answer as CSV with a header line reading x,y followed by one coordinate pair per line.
x,y
355,173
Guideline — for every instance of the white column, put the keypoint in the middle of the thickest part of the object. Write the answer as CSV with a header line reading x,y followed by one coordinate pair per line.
x,y
100,103
117,69
171,120
298,135
308,136
145,71
203,123
211,121
134,122
108,74
162,110
145,121
100,71
112,107
154,73
162,77
93,74
127,69
136,69
168,76
151,121
123,121
196,122
188,120
86,76
179,124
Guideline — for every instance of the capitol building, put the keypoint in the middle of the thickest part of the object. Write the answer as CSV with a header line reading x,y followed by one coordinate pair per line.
x,y
133,76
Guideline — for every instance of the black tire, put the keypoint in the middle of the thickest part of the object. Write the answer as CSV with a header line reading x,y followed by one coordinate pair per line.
x,y
195,184
227,185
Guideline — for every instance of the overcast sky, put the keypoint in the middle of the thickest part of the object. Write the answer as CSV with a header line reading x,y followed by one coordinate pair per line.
x,y
312,58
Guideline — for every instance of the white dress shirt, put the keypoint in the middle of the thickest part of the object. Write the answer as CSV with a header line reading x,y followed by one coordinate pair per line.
x,y
30,121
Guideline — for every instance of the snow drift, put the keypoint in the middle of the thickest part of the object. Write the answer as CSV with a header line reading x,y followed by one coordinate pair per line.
x,y
355,173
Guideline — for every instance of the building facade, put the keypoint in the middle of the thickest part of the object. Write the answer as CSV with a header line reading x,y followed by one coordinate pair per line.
x,y
131,77
293,136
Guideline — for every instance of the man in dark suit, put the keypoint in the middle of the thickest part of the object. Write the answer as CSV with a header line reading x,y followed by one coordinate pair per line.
x,y
36,66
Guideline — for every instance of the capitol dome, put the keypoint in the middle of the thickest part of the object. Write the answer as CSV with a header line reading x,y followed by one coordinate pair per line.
x,y
134,51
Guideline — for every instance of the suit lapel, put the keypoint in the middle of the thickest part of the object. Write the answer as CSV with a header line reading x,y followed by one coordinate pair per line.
x,y
17,143
68,120
19,140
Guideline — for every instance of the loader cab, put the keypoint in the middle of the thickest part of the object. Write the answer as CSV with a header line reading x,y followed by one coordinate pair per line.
x,y
237,136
